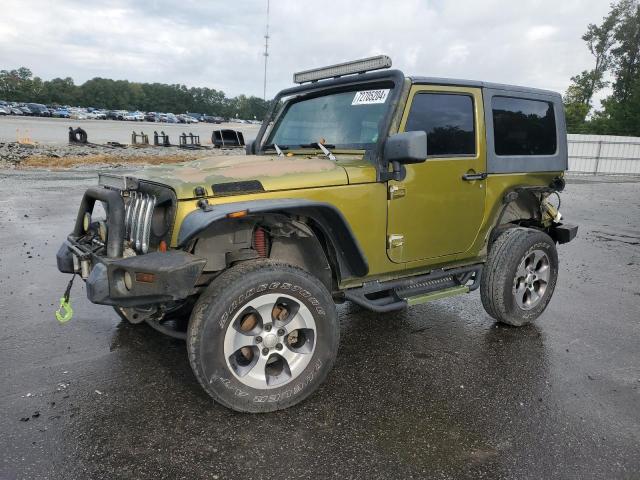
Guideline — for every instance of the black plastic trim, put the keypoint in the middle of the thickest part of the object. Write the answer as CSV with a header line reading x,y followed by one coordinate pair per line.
x,y
175,272
237,188
115,217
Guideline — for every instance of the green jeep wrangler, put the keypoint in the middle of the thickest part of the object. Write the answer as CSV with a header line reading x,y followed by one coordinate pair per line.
x,y
363,185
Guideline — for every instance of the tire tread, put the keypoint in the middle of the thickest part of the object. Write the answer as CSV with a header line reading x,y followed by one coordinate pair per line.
x,y
505,251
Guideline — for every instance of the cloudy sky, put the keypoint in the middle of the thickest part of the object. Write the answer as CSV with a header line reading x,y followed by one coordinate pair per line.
x,y
219,44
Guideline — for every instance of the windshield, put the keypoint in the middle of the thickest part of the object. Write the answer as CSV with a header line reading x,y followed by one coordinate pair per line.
x,y
349,119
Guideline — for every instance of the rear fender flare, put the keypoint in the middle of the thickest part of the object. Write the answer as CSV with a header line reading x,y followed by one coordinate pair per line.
x,y
520,203
326,217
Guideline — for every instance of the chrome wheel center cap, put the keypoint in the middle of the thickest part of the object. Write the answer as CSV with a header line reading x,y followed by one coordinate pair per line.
x,y
270,340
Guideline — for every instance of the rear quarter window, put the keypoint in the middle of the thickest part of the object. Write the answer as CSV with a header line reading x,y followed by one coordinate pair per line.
x,y
523,127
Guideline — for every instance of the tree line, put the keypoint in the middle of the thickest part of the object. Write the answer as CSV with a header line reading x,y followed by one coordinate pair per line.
x,y
21,86
615,47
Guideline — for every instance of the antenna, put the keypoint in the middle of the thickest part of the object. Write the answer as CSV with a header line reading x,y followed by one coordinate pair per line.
x,y
266,55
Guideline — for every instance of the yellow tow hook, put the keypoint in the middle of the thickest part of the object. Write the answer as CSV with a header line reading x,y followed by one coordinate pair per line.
x,y
65,312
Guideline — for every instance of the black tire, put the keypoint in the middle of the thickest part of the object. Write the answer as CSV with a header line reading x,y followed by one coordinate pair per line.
x,y
223,302
502,280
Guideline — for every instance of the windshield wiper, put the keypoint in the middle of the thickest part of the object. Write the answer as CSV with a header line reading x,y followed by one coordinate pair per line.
x,y
276,148
322,147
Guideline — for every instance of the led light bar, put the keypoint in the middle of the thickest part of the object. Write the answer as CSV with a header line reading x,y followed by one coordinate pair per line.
x,y
340,69
118,182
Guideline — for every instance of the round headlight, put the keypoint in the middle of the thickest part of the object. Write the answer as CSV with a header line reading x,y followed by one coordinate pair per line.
x,y
128,281
86,221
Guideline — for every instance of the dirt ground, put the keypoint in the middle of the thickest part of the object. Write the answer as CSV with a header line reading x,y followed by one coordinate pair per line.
x,y
436,391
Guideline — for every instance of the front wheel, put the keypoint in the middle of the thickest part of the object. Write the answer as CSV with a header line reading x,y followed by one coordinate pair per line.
x,y
520,276
263,336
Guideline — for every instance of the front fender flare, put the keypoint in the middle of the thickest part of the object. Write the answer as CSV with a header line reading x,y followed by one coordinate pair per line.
x,y
327,217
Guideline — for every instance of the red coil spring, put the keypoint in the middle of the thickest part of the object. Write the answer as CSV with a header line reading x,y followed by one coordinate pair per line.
x,y
260,242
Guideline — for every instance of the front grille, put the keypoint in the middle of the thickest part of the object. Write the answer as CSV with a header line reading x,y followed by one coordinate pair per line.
x,y
137,220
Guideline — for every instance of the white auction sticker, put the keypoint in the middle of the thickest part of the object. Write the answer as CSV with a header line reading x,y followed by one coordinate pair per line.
x,y
368,97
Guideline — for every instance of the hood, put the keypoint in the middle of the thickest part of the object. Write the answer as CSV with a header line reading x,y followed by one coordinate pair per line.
x,y
223,175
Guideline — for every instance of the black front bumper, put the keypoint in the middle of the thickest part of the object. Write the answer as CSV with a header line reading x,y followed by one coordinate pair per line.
x,y
154,278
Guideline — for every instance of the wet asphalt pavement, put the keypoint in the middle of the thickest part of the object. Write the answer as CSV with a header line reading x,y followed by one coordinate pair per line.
x,y
436,391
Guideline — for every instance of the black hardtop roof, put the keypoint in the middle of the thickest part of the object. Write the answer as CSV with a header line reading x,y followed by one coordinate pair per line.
x,y
398,76
476,83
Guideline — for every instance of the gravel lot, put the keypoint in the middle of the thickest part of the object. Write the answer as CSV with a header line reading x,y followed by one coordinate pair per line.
x,y
50,142
436,391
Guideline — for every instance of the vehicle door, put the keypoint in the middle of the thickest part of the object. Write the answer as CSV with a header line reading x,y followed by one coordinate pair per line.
x,y
437,210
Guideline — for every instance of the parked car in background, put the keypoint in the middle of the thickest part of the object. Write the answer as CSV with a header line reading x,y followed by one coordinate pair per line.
x,y
198,116
134,116
92,113
77,114
212,119
38,110
98,114
168,118
61,112
184,118
115,115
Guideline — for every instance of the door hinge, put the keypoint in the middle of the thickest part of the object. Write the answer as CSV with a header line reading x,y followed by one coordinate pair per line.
x,y
397,191
395,240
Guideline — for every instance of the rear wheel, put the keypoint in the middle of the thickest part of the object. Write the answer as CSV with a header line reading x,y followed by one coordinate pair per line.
x,y
520,276
263,336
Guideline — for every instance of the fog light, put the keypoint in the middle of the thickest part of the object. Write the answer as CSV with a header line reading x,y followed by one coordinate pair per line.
x,y
86,221
128,281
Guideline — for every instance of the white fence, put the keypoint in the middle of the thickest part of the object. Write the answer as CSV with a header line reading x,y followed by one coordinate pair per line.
x,y
604,154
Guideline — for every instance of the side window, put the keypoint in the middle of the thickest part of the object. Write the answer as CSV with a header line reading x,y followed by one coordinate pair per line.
x,y
523,127
448,120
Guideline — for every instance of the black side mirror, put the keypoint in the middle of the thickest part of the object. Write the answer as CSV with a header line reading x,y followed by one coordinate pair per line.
x,y
406,147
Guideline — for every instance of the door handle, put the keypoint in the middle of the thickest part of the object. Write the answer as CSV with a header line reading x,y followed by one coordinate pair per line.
x,y
474,176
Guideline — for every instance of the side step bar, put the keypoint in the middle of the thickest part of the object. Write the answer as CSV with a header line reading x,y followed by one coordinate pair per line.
x,y
397,294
